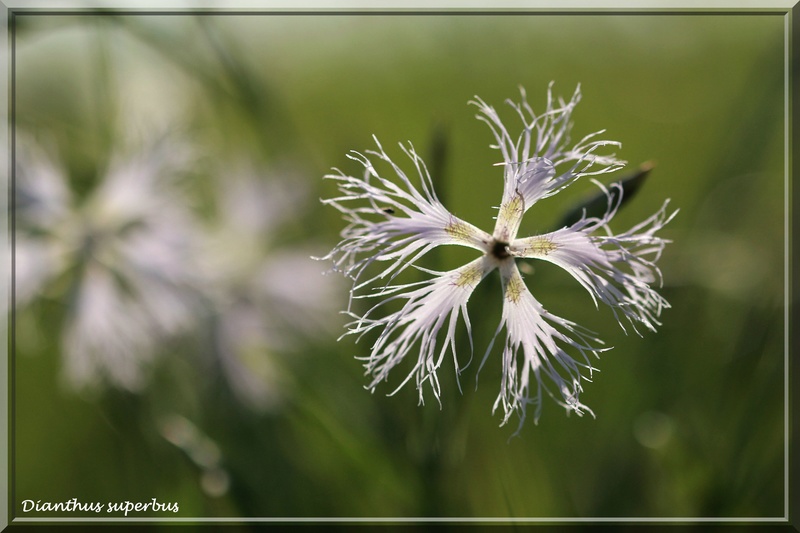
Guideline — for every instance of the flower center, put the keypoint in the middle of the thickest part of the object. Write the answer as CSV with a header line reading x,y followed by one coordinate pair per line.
x,y
500,249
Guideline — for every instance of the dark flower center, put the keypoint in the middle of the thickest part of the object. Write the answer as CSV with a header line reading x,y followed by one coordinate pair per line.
x,y
500,250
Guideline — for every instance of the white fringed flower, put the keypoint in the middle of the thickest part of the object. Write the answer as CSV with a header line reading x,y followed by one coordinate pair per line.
x,y
266,297
120,258
394,223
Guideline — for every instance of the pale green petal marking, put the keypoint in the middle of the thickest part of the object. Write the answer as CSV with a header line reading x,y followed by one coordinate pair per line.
x,y
460,230
470,276
533,247
515,287
509,218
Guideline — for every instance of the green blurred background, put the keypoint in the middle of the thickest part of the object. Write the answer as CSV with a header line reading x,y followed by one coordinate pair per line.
x,y
690,420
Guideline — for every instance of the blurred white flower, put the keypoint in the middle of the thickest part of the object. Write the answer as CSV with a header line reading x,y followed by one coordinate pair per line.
x,y
264,291
120,255
395,223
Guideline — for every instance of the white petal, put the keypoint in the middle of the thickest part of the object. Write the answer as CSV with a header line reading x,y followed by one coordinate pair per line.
x,y
534,356
391,222
36,262
108,334
540,163
427,308
616,269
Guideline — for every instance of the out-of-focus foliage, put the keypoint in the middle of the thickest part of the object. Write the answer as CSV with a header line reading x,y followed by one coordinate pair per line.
x,y
173,338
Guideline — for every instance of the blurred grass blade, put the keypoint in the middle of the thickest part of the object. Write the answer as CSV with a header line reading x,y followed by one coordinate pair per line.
x,y
596,205
439,145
